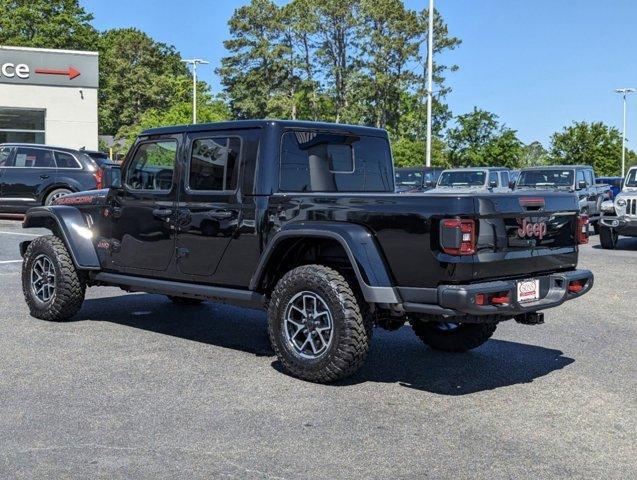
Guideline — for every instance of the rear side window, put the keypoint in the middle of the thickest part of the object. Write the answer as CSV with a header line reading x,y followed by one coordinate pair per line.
x,y
589,177
65,160
504,179
493,178
214,164
152,166
34,158
332,162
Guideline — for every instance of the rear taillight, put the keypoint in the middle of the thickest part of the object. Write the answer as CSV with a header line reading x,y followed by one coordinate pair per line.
x,y
576,286
582,229
99,178
458,237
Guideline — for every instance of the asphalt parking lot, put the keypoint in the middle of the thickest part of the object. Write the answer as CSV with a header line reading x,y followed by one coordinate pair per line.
x,y
135,387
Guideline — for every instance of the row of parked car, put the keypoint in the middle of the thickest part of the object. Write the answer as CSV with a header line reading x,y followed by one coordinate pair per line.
x,y
609,202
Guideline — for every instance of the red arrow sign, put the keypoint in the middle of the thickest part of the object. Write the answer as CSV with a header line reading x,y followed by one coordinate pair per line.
x,y
71,72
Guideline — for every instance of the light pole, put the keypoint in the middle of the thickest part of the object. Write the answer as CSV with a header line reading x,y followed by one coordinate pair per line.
x,y
194,62
430,79
624,92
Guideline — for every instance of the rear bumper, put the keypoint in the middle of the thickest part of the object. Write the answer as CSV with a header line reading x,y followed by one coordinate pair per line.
x,y
454,300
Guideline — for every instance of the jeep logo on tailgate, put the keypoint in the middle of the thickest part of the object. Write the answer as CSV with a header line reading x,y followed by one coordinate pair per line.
x,y
531,229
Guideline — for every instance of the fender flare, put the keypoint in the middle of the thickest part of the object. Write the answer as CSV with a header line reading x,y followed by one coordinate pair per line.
x,y
359,245
73,229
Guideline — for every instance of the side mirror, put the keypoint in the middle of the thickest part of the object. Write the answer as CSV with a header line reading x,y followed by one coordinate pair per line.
x,y
493,184
512,185
429,184
581,185
113,176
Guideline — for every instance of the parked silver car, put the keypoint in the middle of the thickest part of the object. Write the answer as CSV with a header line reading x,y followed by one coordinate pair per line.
x,y
471,180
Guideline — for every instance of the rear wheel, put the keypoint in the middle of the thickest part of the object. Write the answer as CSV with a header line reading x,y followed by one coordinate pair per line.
x,y
184,300
55,194
608,237
53,288
315,325
449,336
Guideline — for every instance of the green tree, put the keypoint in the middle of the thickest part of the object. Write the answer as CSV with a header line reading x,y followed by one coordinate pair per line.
x,y
584,143
137,74
46,24
534,154
180,113
411,153
257,73
478,139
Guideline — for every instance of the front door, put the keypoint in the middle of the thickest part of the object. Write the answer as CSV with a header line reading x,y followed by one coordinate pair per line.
x,y
209,209
143,222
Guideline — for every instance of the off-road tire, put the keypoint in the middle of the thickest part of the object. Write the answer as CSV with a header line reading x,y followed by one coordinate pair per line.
x,y
184,300
58,192
351,330
466,336
608,238
70,285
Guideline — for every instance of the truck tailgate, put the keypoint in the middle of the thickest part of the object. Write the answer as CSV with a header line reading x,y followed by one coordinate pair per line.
x,y
522,234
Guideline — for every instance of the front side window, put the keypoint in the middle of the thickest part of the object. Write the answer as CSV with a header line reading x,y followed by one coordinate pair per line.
x,y
65,160
333,162
631,178
504,179
580,177
214,164
33,158
589,177
493,178
152,166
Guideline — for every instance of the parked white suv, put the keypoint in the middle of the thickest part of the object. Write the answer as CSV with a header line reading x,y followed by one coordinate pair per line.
x,y
619,217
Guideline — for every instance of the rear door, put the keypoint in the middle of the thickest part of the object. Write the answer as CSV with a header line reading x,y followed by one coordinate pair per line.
x,y
209,206
30,171
5,161
144,218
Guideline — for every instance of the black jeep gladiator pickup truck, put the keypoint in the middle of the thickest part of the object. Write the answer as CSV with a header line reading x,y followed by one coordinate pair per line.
x,y
301,219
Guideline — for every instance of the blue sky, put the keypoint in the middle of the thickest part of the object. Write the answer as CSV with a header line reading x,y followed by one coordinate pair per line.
x,y
538,64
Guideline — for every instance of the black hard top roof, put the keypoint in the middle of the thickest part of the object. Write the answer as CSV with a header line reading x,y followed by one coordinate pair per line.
x,y
238,124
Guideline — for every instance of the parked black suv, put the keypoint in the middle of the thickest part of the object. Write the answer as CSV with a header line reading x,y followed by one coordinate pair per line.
x,y
32,174
301,219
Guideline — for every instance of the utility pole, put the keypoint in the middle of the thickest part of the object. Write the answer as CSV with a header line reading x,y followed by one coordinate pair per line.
x,y
624,92
194,62
430,79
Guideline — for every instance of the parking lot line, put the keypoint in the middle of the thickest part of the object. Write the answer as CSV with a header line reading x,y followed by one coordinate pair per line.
x,y
21,234
2,262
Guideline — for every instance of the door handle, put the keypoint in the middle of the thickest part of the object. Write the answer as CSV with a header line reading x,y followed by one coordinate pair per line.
x,y
221,214
163,213
44,176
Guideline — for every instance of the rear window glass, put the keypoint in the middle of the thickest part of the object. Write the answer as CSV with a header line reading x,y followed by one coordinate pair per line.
x,y
331,162
65,160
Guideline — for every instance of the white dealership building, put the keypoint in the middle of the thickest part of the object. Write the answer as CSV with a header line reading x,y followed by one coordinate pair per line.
x,y
48,96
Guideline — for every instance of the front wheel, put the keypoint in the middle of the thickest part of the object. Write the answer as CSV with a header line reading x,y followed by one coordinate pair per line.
x,y
52,286
608,237
449,336
315,325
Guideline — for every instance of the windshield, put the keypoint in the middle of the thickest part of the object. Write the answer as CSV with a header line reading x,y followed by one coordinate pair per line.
x,y
408,179
546,178
462,178
631,179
